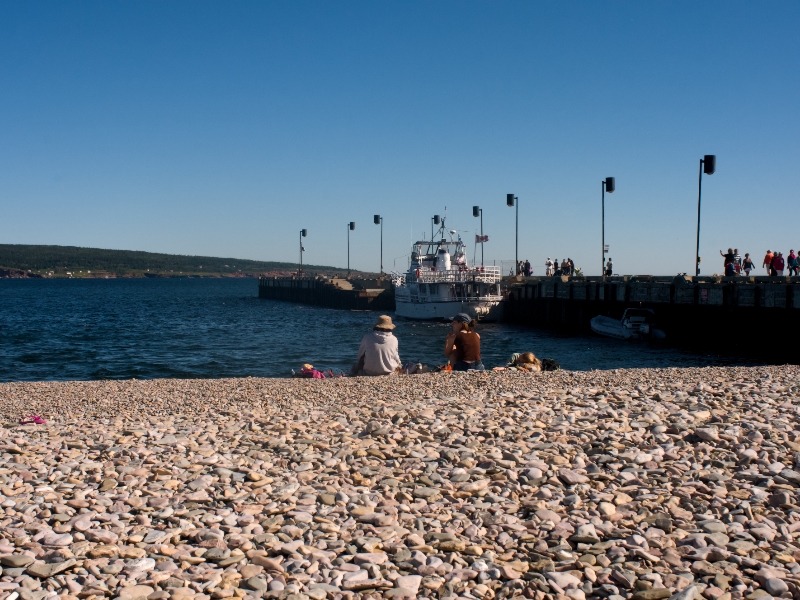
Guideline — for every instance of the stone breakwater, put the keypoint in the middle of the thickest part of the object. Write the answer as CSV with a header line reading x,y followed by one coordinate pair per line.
x,y
637,484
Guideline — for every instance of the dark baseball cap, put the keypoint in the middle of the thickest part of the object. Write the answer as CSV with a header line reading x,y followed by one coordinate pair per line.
x,y
462,318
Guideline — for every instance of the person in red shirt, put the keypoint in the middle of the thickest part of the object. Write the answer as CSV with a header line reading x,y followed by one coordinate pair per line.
x,y
777,264
768,262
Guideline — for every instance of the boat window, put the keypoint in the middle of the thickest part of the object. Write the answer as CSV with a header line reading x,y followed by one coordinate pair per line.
x,y
639,313
434,289
423,288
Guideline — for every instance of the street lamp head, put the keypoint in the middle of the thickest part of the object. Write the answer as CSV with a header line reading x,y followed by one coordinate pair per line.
x,y
377,220
709,164
510,199
476,211
610,185
436,219
352,225
304,232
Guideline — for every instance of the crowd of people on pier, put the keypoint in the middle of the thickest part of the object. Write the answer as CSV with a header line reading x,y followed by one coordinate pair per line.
x,y
774,263
552,268
735,264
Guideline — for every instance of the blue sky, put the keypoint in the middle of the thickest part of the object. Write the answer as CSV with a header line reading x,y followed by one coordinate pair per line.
x,y
223,128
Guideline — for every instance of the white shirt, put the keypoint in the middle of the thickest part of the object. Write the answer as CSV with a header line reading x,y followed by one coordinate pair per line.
x,y
379,349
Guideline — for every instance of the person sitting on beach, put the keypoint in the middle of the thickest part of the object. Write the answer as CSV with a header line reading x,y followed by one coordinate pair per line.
x,y
463,345
526,361
378,354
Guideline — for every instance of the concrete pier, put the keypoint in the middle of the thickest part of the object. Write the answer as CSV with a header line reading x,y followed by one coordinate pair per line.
x,y
705,312
344,294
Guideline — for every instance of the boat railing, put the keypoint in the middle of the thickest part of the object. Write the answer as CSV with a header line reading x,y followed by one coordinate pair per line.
x,y
461,298
475,274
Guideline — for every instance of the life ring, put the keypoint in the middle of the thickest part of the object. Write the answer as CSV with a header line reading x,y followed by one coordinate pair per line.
x,y
417,272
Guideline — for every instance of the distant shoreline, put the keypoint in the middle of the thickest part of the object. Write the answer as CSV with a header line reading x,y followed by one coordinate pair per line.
x,y
20,274
27,261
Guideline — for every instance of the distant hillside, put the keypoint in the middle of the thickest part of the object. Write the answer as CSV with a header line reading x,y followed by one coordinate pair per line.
x,y
88,262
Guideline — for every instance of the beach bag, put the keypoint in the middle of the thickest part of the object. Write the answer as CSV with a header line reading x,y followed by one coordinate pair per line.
x,y
548,364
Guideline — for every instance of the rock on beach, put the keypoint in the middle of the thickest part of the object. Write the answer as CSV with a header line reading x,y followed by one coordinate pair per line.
x,y
624,484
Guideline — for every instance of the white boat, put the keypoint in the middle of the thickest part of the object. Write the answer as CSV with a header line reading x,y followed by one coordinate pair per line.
x,y
635,323
440,283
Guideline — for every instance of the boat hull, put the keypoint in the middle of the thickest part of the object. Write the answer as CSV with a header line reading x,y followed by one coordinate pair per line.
x,y
445,311
610,328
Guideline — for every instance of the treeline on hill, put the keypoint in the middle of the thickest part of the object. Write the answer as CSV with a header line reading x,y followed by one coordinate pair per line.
x,y
60,259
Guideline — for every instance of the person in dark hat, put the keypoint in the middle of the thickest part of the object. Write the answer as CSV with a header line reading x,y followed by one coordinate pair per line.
x,y
463,345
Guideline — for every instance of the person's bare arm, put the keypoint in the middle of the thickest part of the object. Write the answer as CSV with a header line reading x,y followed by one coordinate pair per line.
x,y
449,344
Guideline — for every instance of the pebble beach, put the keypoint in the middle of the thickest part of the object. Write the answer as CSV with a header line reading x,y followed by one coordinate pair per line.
x,y
620,484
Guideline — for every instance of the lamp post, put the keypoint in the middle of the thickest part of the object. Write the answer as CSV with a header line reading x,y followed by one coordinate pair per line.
x,y
512,200
708,165
379,221
303,233
607,185
477,211
435,220
350,227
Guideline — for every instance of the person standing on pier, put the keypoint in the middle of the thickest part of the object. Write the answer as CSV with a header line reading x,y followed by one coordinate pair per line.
x,y
768,261
728,259
793,263
609,268
778,264
747,264
548,267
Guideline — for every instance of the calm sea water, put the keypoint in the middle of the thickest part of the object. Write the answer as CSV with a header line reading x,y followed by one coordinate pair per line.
x,y
148,328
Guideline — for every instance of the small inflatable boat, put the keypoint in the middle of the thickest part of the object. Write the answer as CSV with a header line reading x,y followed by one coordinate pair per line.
x,y
636,323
